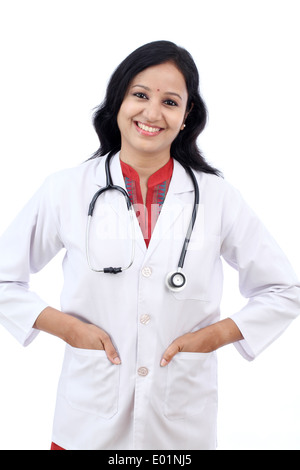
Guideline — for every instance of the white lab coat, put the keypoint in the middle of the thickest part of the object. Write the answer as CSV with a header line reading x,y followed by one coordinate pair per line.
x,y
140,405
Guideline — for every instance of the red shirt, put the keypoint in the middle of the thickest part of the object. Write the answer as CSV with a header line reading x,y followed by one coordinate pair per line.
x,y
158,185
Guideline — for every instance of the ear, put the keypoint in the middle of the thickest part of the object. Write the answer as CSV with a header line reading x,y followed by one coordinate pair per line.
x,y
185,116
188,112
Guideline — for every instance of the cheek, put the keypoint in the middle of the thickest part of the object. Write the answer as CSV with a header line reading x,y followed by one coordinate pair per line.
x,y
176,122
123,118
128,110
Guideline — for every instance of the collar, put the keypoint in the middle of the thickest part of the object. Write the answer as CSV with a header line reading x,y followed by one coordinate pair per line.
x,y
180,181
161,175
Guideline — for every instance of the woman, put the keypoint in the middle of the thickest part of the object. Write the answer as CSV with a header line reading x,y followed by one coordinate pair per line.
x,y
140,362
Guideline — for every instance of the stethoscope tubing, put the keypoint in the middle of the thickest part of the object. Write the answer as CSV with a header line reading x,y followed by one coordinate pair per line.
x,y
178,274
110,186
192,221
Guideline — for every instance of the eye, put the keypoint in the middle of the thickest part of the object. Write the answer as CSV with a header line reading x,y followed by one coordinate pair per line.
x,y
170,103
140,95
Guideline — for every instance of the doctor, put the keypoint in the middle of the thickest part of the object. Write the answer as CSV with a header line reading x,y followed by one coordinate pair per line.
x,y
140,370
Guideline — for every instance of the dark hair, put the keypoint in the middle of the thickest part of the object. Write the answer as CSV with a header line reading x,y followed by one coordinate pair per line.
x,y
184,148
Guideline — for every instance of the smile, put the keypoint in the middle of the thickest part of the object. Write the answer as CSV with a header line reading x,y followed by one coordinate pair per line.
x,y
147,130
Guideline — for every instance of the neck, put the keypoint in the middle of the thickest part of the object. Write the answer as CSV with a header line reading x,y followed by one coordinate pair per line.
x,y
145,165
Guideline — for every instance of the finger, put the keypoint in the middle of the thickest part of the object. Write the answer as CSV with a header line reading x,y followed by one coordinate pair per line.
x,y
110,350
169,353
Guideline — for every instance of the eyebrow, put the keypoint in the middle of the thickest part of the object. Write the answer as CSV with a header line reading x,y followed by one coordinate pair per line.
x,y
149,89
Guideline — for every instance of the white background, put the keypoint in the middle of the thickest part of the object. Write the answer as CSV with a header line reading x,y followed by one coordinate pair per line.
x,y
56,59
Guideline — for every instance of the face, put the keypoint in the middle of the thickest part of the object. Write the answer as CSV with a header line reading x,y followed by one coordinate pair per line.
x,y
153,111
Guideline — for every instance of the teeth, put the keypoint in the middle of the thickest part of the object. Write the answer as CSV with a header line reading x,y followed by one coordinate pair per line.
x,y
147,128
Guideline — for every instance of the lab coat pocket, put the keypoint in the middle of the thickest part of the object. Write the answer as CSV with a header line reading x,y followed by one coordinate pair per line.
x,y
191,384
92,382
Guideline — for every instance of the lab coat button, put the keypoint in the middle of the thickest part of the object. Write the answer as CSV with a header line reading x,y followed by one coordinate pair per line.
x,y
143,371
146,271
144,319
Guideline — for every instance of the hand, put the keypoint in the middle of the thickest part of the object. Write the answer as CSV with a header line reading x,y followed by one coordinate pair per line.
x,y
190,342
88,336
75,332
204,340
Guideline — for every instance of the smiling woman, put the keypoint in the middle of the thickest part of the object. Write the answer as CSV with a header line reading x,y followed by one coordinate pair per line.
x,y
179,89
140,368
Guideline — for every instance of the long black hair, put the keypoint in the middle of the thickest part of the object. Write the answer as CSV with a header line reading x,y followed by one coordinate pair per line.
x,y
184,148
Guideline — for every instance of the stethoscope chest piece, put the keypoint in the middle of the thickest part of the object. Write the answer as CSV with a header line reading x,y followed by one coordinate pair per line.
x,y
176,281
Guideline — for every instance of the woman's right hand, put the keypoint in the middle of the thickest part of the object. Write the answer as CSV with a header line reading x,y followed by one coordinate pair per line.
x,y
76,332
88,336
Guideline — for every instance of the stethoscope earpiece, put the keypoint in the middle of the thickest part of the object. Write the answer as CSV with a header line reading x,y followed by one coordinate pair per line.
x,y
176,281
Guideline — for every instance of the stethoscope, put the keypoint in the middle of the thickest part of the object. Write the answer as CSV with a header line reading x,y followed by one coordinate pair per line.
x,y
175,280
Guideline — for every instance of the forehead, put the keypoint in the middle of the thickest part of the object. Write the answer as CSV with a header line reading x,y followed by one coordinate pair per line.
x,y
165,77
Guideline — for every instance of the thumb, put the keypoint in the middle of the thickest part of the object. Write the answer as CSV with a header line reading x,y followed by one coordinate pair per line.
x,y
169,353
111,351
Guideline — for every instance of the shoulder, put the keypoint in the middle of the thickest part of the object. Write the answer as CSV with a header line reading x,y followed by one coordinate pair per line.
x,y
70,184
216,186
222,200
75,175
70,181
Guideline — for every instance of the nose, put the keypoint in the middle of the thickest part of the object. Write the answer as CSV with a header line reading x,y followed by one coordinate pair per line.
x,y
152,111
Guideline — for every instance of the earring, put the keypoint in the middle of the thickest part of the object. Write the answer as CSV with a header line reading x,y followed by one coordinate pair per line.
x,y
182,127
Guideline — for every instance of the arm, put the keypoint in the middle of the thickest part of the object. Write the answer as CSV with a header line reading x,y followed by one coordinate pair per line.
x,y
26,246
75,332
205,340
266,278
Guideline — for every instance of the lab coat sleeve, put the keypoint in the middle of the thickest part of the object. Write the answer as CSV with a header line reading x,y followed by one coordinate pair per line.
x,y
28,244
266,277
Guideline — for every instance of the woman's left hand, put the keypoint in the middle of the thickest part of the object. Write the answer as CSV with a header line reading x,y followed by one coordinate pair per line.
x,y
205,340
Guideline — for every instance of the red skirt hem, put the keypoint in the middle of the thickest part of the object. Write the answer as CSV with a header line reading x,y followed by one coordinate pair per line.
x,y
55,447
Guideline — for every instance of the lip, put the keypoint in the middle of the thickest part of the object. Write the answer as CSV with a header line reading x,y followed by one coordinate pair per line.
x,y
147,133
